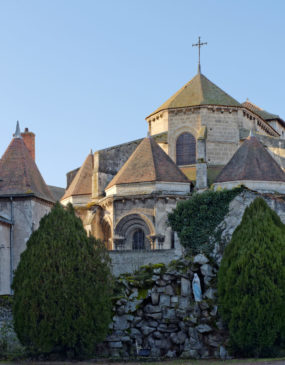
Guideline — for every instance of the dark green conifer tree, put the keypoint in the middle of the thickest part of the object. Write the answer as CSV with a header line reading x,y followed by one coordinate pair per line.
x,y
251,282
62,288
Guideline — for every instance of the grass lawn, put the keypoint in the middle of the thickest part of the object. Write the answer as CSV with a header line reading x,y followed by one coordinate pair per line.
x,y
280,361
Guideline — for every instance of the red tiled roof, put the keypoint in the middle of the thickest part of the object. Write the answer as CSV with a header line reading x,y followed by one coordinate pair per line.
x,y
19,173
251,162
82,182
148,163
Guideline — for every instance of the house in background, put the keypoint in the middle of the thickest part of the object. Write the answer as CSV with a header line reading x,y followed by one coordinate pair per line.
x,y
24,200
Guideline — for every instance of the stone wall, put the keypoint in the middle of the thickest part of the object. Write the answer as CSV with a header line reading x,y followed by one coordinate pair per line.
x,y
9,343
158,123
4,258
223,130
27,213
130,261
156,315
125,214
235,214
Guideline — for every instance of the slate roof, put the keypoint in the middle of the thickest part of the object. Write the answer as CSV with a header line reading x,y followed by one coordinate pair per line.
x,y
57,192
19,172
148,163
82,182
198,91
251,162
262,113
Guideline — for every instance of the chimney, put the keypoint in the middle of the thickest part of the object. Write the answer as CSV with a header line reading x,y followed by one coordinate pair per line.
x,y
29,139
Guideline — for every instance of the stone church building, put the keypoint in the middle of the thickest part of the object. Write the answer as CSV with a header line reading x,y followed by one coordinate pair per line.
x,y
124,193
200,137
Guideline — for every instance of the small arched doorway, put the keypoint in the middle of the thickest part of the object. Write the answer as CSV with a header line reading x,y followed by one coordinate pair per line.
x,y
185,149
138,240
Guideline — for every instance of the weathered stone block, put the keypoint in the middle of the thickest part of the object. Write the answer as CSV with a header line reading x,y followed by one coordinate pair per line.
x,y
147,330
178,338
207,270
203,328
121,322
174,299
190,354
152,308
135,333
210,293
200,259
163,344
152,324
185,287
169,290
184,303
116,345
164,300
169,313
155,298
157,335
156,316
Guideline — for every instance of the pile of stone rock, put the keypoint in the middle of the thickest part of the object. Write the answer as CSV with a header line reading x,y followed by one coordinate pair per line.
x,y
9,342
155,313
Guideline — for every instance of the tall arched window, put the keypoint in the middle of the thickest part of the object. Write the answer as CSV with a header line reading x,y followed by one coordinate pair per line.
x,y
185,149
138,240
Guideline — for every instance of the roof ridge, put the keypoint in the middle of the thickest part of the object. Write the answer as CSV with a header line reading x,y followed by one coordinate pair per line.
x,y
246,164
211,82
71,190
201,85
20,174
152,157
141,167
197,92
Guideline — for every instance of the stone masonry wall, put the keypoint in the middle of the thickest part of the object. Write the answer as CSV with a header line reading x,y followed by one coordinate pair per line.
x,y
9,343
155,313
27,214
130,261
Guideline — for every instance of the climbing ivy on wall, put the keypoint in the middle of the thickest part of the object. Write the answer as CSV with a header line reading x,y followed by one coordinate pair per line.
x,y
196,219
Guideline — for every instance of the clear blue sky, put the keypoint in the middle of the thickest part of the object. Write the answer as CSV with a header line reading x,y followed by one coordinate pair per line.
x,y
84,74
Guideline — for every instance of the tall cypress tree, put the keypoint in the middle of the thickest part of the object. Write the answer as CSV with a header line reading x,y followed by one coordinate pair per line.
x,y
251,282
62,288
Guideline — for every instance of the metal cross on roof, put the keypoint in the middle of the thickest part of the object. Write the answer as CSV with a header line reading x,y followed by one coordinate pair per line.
x,y
199,45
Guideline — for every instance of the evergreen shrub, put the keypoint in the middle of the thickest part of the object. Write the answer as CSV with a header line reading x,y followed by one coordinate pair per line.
x,y
195,220
251,283
62,288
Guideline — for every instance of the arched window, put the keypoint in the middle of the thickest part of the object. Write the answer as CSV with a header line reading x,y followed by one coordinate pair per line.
x,y
138,240
185,149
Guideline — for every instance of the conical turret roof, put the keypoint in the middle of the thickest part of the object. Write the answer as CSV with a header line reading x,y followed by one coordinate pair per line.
x,y
198,91
82,182
251,162
19,173
148,163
